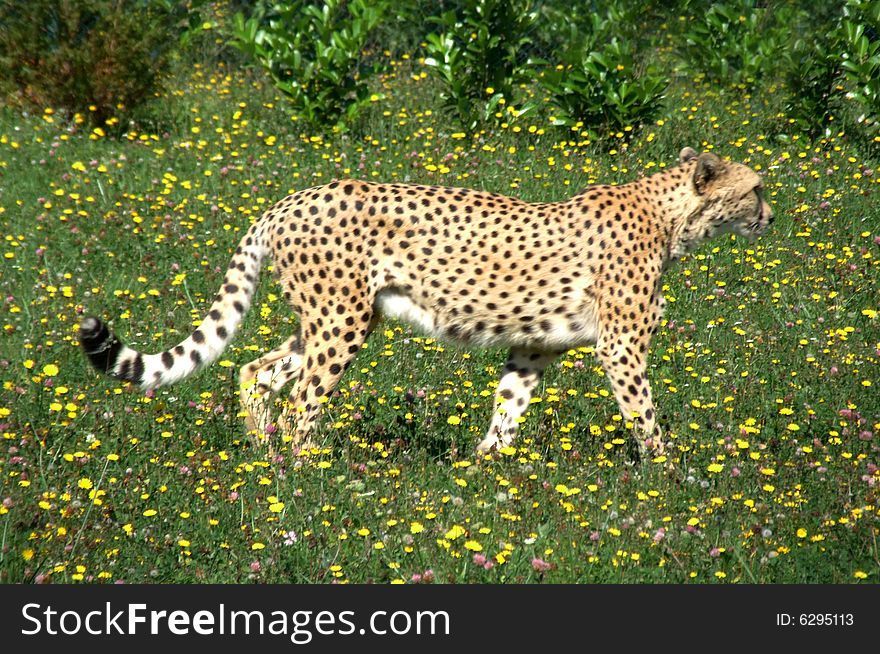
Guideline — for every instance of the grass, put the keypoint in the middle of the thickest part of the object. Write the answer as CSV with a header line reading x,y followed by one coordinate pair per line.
x,y
765,369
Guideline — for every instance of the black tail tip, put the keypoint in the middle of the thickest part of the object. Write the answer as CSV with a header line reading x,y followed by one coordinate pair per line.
x,y
100,346
92,331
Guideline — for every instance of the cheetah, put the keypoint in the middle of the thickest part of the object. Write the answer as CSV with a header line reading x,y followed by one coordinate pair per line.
x,y
465,265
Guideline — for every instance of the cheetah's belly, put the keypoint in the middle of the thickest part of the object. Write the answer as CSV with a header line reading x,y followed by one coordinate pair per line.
x,y
563,330
392,303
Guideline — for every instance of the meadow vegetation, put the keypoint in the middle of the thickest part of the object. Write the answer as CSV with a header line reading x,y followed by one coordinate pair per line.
x,y
765,369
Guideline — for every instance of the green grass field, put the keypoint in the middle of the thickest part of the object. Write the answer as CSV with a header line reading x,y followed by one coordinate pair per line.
x,y
766,369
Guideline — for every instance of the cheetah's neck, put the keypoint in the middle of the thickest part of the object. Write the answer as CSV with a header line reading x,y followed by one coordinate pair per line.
x,y
679,205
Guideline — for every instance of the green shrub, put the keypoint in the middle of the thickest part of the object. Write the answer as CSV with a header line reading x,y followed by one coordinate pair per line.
x,y
812,73
861,65
477,56
735,43
601,84
314,54
98,58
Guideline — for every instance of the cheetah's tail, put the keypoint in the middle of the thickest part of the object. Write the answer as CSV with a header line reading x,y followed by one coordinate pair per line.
x,y
109,355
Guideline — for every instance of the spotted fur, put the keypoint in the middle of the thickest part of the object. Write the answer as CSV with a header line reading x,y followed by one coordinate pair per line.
x,y
463,265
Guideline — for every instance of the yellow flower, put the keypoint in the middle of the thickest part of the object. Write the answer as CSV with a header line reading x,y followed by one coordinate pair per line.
x,y
27,554
50,370
416,528
453,420
85,483
455,532
473,546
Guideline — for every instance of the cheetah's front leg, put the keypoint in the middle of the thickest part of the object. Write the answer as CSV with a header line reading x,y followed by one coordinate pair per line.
x,y
625,359
521,374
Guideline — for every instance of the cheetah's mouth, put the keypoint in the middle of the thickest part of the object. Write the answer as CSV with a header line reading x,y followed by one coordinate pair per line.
x,y
760,225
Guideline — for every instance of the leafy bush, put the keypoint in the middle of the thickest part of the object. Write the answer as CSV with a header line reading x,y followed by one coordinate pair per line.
x,y
812,72
601,84
477,55
98,58
735,42
564,24
314,54
861,65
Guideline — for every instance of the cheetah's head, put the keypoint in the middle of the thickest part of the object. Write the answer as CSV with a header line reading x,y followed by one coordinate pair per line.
x,y
730,195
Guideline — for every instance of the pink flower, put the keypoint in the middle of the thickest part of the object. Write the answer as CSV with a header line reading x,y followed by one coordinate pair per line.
x,y
255,566
540,565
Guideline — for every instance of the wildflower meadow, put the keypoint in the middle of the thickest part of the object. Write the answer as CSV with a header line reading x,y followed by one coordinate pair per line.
x,y
765,370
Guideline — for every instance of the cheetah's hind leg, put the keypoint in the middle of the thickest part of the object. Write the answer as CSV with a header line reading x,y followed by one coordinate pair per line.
x,y
262,379
325,358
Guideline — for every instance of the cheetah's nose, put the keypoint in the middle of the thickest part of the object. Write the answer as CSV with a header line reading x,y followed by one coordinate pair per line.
x,y
767,212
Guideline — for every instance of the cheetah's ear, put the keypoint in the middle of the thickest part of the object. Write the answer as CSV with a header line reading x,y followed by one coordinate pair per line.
x,y
686,154
709,166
